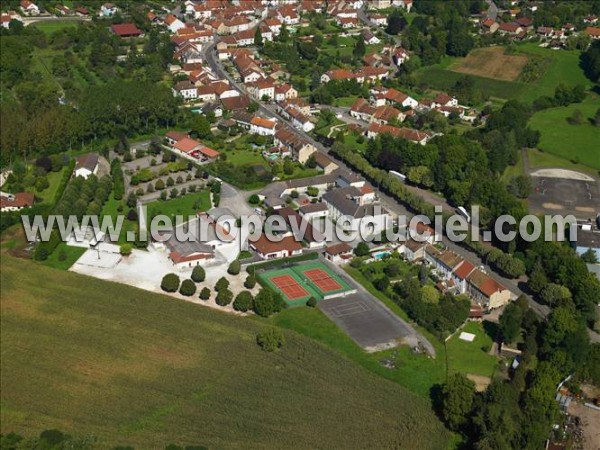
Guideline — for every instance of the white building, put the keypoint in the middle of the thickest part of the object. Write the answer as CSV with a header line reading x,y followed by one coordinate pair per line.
x,y
86,165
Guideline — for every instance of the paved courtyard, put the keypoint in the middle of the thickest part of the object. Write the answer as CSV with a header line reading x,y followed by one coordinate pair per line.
x,y
145,270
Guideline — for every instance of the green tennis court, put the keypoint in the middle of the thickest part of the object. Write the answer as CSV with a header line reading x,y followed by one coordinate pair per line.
x,y
299,283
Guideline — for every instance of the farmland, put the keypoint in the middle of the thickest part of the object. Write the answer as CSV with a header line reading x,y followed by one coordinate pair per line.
x,y
491,62
127,366
558,67
577,142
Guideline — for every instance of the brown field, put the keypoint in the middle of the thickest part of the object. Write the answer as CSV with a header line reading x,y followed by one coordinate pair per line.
x,y
491,63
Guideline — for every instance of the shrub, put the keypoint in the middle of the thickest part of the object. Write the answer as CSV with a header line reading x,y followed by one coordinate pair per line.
x,y
159,185
243,301
362,249
270,339
170,283
312,302
205,293
234,267
132,215
250,282
254,199
198,274
222,284
188,288
125,249
267,303
224,297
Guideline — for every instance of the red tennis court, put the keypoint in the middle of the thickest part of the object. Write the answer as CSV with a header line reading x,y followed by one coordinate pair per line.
x,y
289,286
323,280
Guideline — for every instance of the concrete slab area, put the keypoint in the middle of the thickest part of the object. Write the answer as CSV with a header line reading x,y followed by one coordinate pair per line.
x,y
368,322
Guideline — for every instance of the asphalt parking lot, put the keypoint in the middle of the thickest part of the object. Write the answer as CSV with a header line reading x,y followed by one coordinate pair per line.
x,y
368,322
580,198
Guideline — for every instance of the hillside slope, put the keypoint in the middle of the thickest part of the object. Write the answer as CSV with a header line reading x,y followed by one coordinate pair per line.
x,y
131,367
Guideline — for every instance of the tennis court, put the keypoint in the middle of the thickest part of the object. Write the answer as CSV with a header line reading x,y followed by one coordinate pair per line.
x,y
299,283
322,278
289,286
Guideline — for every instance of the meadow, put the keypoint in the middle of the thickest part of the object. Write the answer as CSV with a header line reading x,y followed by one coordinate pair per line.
x,y
136,368
576,142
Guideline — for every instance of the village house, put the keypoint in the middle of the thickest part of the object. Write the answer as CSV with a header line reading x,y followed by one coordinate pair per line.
x,y
298,119
285,91
238,103
400,56
191,148
301,228
86,165
261,90
8,17
338,253
262,127
185,89
348,203
173,137
29,8
173,23
416,136
485,291
16,202
108,10
593,32
413,250
126,30
370,38
301,150
444,100
266,249
490,25
379,19
512,29
314,211
324,163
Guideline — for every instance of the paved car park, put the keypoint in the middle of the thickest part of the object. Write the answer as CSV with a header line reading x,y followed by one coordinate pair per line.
x,y
370,323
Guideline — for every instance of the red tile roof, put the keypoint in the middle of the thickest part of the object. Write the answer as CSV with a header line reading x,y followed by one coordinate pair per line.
x,y
21,200
125,29
265,246
187,145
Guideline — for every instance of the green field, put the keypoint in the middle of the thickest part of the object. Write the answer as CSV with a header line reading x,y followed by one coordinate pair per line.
x,y
70,254
181,205
577,143
562,67
140,369
471,357
50,26
541,160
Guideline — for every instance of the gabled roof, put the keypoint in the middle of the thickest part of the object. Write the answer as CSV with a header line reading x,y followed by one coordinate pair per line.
x,y
265,247
464,270
338,249
186,145
263,123
484,283
18,200
89,162
125,29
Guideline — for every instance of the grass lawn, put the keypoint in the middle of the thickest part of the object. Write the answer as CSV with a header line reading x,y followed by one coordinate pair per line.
x,y
471,357
50,26
577,143
144,370
542,160
345,102
47,195
111,209
72,255
351,140
245,157
181,205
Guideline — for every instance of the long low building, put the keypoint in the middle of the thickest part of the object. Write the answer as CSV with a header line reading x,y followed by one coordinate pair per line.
x,y
266,249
